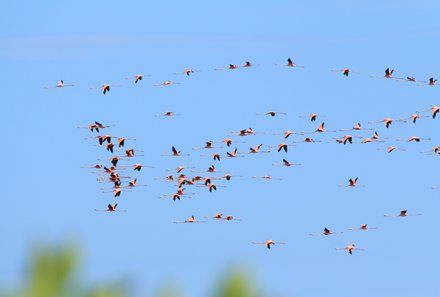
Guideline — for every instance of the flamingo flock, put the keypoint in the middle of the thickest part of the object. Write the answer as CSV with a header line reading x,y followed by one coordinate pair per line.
x,y
122,182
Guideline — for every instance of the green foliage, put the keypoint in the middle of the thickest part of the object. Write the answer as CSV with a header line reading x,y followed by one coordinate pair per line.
x,y
52,273
237,284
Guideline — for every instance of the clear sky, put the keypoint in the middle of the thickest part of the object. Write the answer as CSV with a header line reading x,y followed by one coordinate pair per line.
x,y
47,197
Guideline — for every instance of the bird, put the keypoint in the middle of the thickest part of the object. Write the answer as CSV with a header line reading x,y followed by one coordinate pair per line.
x,y
269,242
256,150
176,153
217,216
60,84
352,182
321,128
350,248
434,110
208,145
325,232
166,83
96,126
414,138
168,114
387,122
121,141
415,116
392,148
191,219
105,88
345,71
232,154
403,213
267,177
111,208
272,113
187,72
230,67
137,77
356,127
281,146
290,63
286,163
363,227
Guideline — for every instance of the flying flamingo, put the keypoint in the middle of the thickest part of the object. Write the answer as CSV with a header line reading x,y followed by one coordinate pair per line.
x,y
352,182
60,84
269,242
111,208
208,145
281,146
325,232
285,134
176,153
350,248
363,227
187,72
434,110
105,88
290,63
286,163
414,138
308,140
230,67
191,219
403,213
168,114
138,77
267,177
96,126
272,113
356,127
345,71
387,122
255,150
166,83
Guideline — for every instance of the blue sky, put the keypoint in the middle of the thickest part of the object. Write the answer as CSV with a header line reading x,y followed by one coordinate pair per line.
x,y
48,197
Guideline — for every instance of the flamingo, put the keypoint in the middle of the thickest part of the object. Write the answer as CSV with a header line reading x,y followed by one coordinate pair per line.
x,y
166,83
325,232
168,114
356,127
403,213
414,138
191,219
230,67
286,163
415,116
217,216
208,145
60,84
350,248
187,72
111,208
281,146
176,153
138,77
352,182
363,227
255,150
434,110
290,63
269,242
96,126
267,177
273,113
345,71
387,122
